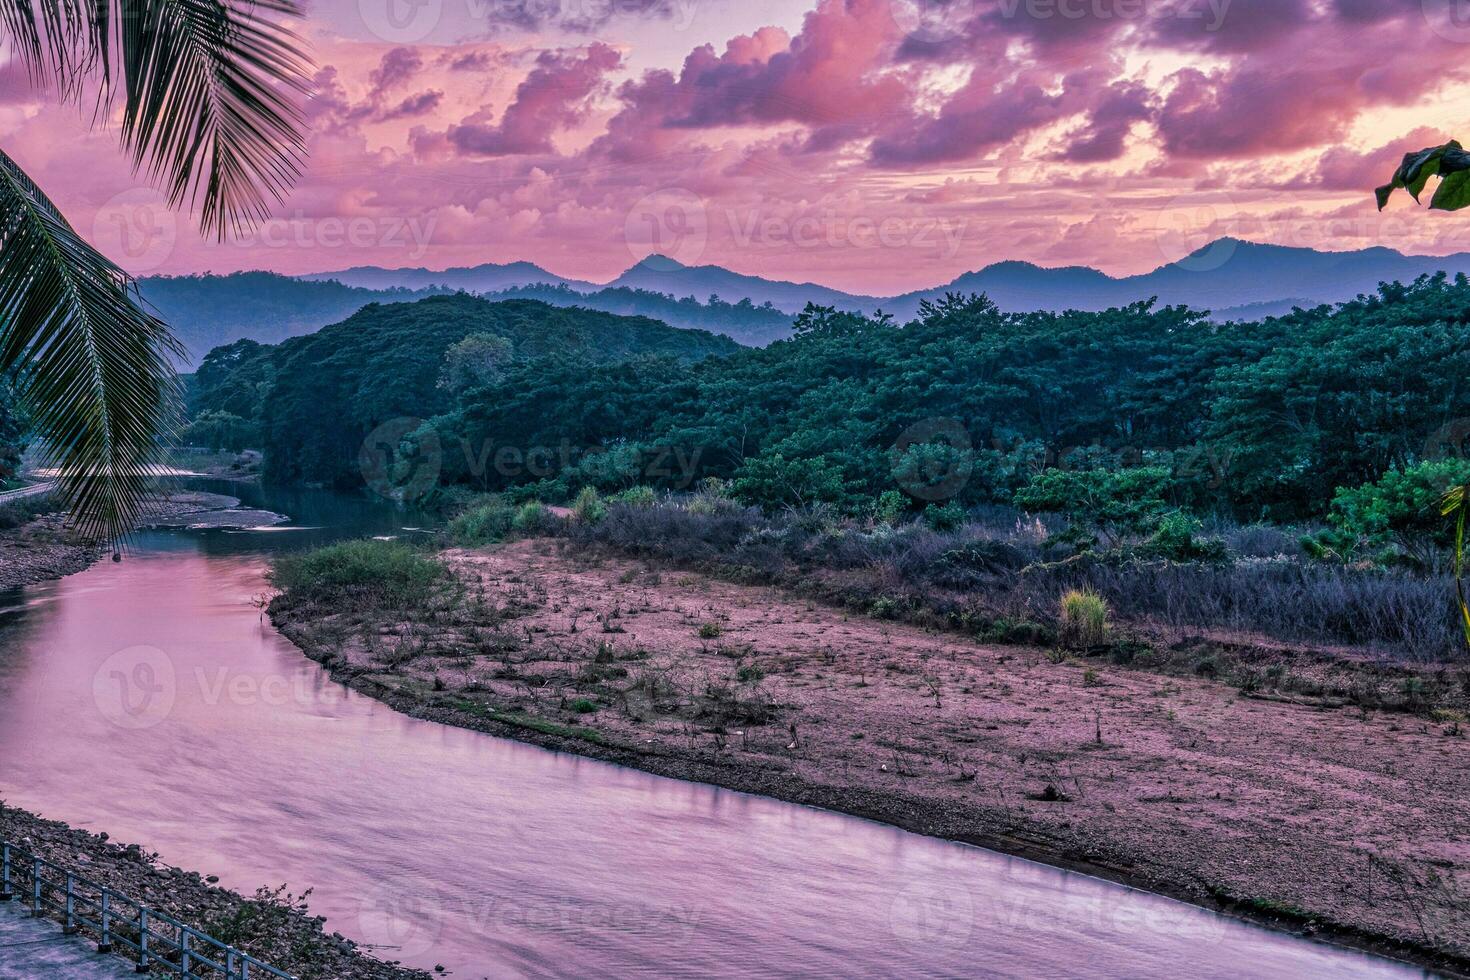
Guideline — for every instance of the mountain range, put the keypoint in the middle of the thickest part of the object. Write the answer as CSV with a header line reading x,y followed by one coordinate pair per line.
x,y
1233,279
1225,276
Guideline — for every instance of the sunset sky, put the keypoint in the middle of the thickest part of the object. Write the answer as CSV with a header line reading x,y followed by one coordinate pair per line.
x,y
872,145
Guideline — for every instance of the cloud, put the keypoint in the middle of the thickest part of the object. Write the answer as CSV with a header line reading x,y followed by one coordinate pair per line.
x,y
553,97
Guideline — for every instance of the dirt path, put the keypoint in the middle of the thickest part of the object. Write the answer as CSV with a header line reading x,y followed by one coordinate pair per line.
x,y
1326,820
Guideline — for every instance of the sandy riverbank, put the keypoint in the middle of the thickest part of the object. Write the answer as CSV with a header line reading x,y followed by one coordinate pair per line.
x,y
1331,821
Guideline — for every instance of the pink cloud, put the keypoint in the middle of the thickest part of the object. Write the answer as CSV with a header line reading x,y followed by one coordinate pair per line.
x,y
552,98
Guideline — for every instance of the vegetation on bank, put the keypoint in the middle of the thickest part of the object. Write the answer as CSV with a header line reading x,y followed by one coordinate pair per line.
x,y
1330,433
361,574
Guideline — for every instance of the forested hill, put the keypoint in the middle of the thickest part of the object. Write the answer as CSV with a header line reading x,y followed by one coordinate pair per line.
x,y
208,311
312,399
750,324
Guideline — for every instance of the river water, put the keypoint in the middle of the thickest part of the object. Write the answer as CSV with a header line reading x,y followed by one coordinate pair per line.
x,y
151,699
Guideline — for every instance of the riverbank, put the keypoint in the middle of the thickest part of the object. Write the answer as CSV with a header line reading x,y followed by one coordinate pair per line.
x,y
273,926
1180,785
38,548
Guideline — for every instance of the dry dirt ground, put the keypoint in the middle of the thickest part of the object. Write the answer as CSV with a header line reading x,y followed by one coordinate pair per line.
x,y
1339,822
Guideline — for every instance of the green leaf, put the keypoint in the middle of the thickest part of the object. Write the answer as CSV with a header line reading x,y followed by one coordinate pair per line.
x,y
94,366
1448,161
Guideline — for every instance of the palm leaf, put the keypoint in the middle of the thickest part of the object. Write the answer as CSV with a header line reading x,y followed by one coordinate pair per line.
x,y
208,107
209,90
93,366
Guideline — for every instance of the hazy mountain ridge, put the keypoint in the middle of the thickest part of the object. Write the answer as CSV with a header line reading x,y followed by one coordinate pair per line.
x,y
1236,280
1224,276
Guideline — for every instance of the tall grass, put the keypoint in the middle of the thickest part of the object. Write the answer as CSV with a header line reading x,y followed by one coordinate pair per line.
x,y
359,574
1083,623
483,524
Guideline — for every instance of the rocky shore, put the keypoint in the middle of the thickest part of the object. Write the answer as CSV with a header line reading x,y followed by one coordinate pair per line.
x,y
1334,822
272,926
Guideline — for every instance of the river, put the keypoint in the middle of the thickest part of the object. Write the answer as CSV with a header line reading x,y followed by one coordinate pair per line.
x,y
151,699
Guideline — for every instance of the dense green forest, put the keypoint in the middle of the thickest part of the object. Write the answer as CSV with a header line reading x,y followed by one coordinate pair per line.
x,y
750,324
963,406
311,400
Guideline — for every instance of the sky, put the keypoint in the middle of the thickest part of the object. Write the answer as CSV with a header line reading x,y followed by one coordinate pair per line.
x,y
875,146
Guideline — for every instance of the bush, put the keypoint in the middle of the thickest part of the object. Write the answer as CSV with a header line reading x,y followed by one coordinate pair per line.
x,y
25,510
1400,510
1175,541
889,507
359,574
1108,502
635,497
488,523
588,506
533,518
1084,619
945,518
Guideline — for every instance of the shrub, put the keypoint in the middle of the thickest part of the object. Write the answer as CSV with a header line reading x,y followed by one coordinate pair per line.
x,y
588,506
945,518
1175,541
485,524
709,631
358,574
635,497
889,507
1108,502
1084,619
532,518
25,510
1401,509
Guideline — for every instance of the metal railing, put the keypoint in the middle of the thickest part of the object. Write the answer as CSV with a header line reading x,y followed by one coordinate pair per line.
x,y
153,939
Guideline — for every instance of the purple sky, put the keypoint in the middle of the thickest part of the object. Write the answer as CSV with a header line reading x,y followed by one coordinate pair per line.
x,y
874,145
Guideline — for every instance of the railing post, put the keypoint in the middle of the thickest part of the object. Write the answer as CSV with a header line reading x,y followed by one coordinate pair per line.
x,y
104,945
36,888
71,921
5,893
142,966
185,960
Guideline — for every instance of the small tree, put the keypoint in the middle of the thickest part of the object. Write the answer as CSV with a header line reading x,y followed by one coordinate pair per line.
x,y
1100,503
1401,509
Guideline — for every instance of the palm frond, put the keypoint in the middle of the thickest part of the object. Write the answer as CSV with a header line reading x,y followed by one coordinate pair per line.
x,y
208,90
94,367
209,106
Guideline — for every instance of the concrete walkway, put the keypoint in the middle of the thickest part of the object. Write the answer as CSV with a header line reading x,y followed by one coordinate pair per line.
x,y
35,949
